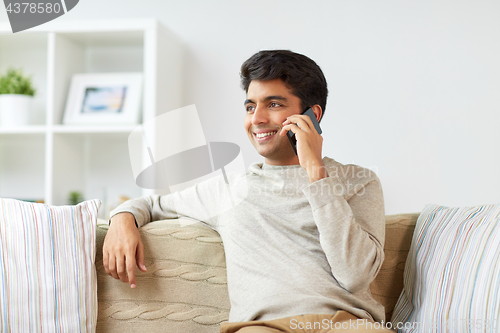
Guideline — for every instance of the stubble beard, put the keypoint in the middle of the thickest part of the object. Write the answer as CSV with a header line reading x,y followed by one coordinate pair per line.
x,y
277,150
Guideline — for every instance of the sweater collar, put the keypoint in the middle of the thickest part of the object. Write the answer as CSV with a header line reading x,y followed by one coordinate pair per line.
x,y
265,166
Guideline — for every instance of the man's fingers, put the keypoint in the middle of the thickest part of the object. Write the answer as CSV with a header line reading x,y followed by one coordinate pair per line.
x,y
290,127
140,257
112,267
131,271
121,269
308,121
303,122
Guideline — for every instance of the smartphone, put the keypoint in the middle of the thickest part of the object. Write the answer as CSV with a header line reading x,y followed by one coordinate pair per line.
x,y
291,136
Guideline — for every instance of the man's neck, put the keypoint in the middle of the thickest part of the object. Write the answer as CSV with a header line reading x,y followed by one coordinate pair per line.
x,y
291,161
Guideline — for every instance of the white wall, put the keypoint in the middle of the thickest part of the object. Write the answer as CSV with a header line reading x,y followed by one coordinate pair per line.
x,y
414,85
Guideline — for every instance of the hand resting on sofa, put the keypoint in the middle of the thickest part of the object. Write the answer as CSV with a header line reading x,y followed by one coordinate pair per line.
x,y
123,249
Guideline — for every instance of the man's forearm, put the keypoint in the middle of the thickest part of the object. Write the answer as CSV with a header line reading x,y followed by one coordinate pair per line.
x,y
141,209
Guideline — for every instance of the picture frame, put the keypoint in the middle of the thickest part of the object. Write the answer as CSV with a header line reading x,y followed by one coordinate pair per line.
x,y
104,99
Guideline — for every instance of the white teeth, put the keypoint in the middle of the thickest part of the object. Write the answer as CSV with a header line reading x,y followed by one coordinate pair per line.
x,y
261,135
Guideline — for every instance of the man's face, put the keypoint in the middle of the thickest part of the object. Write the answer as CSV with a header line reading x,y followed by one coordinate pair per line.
x,y
268,105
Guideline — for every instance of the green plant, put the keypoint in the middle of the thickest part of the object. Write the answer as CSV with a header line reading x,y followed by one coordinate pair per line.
x,y
75,198
15,82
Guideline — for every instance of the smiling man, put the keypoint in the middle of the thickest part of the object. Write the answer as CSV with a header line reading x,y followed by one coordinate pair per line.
x,y
306,241
272,111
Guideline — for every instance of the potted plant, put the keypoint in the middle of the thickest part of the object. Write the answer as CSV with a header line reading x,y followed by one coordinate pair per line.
x,y
16,93
75,197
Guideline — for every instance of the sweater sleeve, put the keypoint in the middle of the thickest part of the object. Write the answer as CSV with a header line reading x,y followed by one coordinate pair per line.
x,y
202,203
351,225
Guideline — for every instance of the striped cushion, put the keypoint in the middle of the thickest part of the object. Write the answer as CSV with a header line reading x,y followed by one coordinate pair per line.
x,y
452,274
47,274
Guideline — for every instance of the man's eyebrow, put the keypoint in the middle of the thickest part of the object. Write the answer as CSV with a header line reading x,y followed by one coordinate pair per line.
x,y
268,98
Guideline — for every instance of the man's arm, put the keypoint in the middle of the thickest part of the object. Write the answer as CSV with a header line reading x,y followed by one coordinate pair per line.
x,y
351,228
123,248
350,221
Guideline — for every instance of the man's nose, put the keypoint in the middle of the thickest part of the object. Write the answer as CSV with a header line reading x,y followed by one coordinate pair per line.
x,y
260,115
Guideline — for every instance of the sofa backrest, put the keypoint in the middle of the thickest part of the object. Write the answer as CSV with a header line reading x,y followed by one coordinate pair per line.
x,y
185,287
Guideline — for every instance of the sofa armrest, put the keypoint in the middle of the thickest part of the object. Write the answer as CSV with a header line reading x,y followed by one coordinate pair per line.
x,y
184,289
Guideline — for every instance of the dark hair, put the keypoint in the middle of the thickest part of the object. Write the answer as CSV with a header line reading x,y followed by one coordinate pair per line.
x,y
299,73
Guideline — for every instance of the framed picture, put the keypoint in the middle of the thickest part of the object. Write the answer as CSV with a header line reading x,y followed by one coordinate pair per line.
x,y
107,99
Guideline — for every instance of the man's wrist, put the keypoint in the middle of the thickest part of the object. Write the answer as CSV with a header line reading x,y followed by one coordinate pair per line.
x,y
316,171
128,213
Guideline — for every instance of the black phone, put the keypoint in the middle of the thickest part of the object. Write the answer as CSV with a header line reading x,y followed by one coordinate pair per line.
x,y
291,136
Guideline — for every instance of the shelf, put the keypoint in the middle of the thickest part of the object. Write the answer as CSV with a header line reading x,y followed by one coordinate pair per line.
x,y
65,129
108,39
34,129
93,129
47,159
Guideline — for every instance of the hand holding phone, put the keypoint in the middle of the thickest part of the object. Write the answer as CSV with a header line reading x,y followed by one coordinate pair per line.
x,y
291,136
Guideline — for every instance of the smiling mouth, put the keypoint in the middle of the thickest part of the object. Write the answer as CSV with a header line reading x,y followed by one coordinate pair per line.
x,y
263,135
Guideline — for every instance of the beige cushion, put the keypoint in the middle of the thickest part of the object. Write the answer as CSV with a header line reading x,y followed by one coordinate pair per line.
x,y
388,284
184,289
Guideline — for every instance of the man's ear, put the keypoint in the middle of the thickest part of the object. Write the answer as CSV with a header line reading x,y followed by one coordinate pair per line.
x,y
318,112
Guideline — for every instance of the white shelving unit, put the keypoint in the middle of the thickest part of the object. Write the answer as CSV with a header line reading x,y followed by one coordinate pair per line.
x,y
47,159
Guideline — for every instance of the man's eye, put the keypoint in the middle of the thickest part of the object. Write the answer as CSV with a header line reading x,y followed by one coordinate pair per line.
x,y
250,108
274,105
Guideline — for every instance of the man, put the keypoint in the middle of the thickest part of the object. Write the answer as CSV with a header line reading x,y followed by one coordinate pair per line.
x,y
306,241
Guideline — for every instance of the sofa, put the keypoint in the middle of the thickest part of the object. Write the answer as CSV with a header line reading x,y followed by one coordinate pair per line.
x,y
185,287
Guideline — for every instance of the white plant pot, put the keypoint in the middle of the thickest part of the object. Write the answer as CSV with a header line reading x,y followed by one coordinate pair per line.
x,y
14,110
